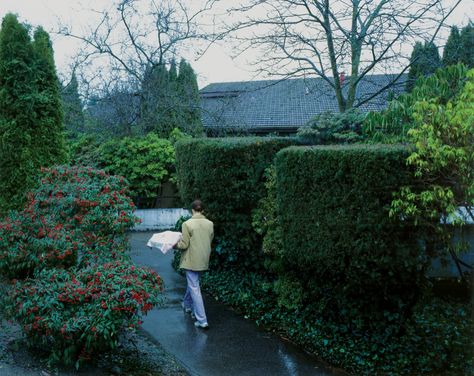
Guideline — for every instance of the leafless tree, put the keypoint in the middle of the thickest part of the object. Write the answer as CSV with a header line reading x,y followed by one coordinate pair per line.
x,y
135,35
327,38
127,40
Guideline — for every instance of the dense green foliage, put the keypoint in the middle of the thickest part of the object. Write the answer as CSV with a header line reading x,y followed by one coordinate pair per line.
x,y
73,109
170,100
363,268
77,288
460,47
74,314
443,159
73,214
331,128
437,340
424,60
31,127
228,176
146,162
391,125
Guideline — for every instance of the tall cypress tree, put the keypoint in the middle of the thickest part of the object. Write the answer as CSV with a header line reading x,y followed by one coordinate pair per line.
x,y
49,127
424,60
467,42
72,107
154,101
28,116
173,72
188,91
453,48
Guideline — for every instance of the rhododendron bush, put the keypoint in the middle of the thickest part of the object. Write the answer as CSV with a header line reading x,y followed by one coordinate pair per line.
x,y
75,313
75,287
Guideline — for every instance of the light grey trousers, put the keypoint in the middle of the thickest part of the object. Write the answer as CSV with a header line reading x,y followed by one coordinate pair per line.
x,y
193,297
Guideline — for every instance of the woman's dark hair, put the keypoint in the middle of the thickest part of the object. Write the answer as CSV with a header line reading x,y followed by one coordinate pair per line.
x,y
197,205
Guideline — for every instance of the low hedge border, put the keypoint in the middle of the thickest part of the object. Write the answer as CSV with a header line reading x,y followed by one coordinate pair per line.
x,y
437,340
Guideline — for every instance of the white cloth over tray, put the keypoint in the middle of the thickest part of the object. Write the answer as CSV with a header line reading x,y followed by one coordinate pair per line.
x,y
164,241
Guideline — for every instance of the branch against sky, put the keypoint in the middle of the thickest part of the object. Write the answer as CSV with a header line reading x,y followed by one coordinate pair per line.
x,y
131,36
325,38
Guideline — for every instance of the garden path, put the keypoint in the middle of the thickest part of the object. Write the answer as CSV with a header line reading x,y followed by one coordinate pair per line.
x,y
232,345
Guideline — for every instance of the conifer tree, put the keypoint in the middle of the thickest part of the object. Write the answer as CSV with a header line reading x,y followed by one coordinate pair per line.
x,y
453,48
467,42
30,112
73,108
154,102
173,73
49,127
424,60
188,91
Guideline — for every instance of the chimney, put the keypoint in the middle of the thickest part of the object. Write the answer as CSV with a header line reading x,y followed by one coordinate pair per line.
x,y
341,78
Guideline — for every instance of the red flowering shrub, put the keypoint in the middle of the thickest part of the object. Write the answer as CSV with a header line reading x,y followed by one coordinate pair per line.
x,y
28,243
86,198
71,237
76,212
74,313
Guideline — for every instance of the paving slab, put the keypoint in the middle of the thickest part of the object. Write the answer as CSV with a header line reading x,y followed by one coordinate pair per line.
x,y
233,346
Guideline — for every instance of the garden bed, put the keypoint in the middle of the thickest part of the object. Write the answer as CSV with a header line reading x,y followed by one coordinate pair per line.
x,y
436,341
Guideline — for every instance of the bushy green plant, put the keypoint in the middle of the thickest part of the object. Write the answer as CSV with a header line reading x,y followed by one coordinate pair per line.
x,y
443,159
228,176
363,268
392,124
28,244
147,162
265,221
72,212
74,313
332,128
437,340
70,241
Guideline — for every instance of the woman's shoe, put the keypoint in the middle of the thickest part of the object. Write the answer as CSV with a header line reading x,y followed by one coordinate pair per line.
x,y
197,324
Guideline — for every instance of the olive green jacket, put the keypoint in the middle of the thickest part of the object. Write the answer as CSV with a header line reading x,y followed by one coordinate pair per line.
x,y
195,243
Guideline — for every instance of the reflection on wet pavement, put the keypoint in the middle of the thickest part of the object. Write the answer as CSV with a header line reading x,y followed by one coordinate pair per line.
x,y
232,345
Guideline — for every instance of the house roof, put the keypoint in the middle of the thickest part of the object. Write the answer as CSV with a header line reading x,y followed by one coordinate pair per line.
x,y
278,104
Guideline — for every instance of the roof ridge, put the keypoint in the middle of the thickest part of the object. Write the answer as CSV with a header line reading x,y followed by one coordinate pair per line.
x,y
275,81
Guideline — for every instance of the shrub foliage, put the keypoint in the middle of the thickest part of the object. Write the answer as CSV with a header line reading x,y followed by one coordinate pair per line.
x,y
362,267
228,176
77,287
393,124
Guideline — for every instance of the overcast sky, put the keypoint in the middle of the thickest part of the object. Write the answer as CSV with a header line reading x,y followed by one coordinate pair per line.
x,y
214,66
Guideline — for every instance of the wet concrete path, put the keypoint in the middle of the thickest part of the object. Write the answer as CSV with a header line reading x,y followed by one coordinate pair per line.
x,y
232,345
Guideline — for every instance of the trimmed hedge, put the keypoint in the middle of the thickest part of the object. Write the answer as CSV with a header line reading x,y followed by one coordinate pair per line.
x,y
227,174
363,268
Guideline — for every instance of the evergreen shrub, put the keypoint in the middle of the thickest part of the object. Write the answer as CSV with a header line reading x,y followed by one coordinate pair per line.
x,y
74,313
361,266
76,288
31,117
227,174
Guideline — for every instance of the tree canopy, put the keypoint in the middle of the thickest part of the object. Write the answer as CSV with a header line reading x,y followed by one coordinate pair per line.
x,y
459,47
424,61
31,129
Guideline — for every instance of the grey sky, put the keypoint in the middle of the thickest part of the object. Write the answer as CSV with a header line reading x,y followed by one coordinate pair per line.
x,y
214,66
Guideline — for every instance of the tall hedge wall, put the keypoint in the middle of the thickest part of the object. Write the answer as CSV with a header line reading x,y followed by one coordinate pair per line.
x,y
357,264
227,175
